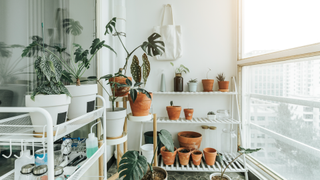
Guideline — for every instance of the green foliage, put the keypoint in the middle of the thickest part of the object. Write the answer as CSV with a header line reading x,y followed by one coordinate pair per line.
x,y
135,69
171,103
193,81
133,166
72,26
220,77
110,27
211,113
181,69
153,47
166,139
146,68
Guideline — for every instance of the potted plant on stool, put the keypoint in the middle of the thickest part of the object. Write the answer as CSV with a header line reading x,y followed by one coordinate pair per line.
x,y
134,166
222,176
207,83
223,85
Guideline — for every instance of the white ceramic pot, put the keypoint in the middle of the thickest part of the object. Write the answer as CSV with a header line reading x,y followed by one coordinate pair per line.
x,y
83,99
147,151
115,122
56,105
192,87
219,174
212,117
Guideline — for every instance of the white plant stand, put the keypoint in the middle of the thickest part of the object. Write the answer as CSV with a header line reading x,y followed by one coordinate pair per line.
x,y
11,133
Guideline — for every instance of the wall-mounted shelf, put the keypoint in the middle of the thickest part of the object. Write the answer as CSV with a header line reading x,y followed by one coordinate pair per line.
x,y
203,167
194,93
197,120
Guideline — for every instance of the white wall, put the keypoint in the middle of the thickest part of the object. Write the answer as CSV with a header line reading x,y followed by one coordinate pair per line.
x,y
209,41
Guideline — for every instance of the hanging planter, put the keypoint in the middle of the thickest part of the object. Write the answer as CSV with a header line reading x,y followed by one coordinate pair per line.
x,y
56,105
189,139
115,121
184,155
167,156
83,99
173,111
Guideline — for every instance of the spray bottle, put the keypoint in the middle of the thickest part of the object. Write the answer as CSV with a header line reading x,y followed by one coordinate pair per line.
x,y
24,159
91,143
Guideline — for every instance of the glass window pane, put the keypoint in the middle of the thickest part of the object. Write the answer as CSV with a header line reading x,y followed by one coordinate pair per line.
x,y
273,25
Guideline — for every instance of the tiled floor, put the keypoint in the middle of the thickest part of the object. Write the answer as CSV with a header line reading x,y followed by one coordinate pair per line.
x,y
186,175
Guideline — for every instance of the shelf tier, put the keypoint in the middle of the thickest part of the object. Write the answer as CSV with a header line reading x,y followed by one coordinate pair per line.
x,y
194,93
118,140
77,174
197,120
25,132
236,166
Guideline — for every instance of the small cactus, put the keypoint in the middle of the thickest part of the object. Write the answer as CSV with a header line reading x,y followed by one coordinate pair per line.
x,y
211,113
171,103
193,80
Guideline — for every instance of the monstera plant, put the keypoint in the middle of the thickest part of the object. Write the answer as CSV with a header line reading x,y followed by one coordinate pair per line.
x,y
134,166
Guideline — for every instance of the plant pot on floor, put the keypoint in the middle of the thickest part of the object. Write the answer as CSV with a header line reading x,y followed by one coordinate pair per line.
x,y
188,113
160,174
223,86
192,87
141,105
122,91
207,85
189,139
115,121
196,157
210,155
56,105
174,112
216,176
147,151
184,155
83,99
167,156
148,139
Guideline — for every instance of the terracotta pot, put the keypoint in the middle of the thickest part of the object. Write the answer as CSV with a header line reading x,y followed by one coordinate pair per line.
x,y
223,85
174,112
141,105
122,91
196,157
184,157
210,155
167,156
189,139
188,113
207,85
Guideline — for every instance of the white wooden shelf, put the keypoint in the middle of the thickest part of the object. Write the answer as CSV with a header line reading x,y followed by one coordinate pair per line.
x,y
236,166
194,93
197,120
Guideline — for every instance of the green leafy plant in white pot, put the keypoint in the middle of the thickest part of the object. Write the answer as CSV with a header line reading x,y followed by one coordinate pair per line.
x,y
220,159
193,85
49,92
134,166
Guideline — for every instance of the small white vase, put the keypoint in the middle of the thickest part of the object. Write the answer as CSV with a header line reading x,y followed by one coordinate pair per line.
x,y
115,122
83,99
56,105
219,174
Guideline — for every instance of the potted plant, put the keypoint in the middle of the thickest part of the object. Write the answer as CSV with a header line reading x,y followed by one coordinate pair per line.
x,y
196,157
211,115
135,166
210,155
168,157
223,85
220,176
178,79
152,47
184,155
192,85
188,113
207,83
140,99
173,111
49,92
189,139
83,97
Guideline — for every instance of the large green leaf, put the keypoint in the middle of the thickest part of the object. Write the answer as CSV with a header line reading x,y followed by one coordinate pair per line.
x,y
153,47
166,139
132,166
144,92
72,26
135,69
66,76
133,94
81,55
96,45
146,68
111,26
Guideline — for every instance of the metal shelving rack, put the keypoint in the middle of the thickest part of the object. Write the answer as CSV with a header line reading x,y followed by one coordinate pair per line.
x,y
15,130
237,166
